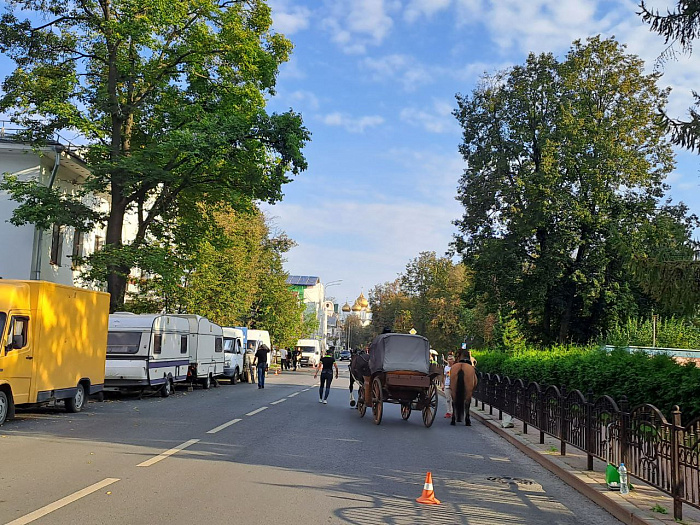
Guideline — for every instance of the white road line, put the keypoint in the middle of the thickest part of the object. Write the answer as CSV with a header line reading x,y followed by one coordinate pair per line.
x,y
294,394
167,453
306,389
48,509
221,427
256,411
278,401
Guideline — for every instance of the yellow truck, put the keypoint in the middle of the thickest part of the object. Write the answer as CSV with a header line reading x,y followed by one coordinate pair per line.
x,y
53,343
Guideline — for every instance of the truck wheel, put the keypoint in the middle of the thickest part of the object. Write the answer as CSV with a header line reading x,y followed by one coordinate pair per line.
x,y
166,389
234,377
4,407
76,403
206,383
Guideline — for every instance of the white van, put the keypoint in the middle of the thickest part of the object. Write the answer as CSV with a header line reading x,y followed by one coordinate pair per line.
x,y
310,350
146,351
254,340
233,354
206,350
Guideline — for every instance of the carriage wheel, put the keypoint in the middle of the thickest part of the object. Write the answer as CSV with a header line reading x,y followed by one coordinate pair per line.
x,y
377,404
361,403
430,407
405,411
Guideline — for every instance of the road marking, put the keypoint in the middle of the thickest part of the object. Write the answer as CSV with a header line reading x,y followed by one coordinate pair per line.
x,y
221,427
256,411
48,509
294,394
306,389
278,401
167,453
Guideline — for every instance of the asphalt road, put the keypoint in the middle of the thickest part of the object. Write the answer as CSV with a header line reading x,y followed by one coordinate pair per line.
x,y
237,454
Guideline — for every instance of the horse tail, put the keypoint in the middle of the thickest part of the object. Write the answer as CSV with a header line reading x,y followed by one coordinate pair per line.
x,y
460,394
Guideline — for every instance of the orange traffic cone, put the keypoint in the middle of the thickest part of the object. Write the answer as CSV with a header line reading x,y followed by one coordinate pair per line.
x,y
428,496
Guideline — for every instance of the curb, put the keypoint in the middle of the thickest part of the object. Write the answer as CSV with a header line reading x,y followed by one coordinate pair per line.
x,y
623,511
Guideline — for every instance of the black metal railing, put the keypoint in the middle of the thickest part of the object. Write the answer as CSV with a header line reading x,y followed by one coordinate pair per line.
x,y
661,453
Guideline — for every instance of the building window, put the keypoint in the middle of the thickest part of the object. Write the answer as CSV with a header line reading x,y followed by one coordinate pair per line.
x,y
56,245
78,238
99,243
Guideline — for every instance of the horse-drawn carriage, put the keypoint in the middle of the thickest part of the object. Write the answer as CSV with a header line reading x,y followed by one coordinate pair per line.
x,y
398,371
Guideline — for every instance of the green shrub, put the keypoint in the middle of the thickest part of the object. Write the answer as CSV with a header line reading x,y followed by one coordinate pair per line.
x,y
670,333
657,380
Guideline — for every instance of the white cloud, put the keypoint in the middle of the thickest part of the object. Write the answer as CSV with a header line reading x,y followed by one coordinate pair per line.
x,y
289,19
306,99
352,124
417,9
362,243
437,120
403,69
356,24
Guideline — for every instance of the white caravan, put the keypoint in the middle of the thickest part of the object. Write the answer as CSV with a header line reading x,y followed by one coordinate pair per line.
x,y
233,353
310,352
206,350
146,351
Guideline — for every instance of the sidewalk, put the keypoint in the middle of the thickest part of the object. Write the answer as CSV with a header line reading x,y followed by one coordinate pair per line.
x,y
642,506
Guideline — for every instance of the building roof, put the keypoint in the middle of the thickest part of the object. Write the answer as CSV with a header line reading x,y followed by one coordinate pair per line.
x,y
303,280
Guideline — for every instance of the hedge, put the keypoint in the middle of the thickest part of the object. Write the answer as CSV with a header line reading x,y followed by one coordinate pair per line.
x,y
658,380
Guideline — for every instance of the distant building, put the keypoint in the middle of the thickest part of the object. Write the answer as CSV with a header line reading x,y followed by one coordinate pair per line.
x,y
313,294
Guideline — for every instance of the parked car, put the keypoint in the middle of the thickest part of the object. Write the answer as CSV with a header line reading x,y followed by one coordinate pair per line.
x,y
345,355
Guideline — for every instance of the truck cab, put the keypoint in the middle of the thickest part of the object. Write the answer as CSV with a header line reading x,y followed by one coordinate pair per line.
x,y
310,351
234,349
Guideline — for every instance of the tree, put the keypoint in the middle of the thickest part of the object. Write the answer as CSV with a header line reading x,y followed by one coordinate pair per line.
x,y
680,26
170,99
565,168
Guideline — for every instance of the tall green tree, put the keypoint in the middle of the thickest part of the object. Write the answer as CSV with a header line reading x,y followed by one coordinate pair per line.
x,y
565,169
170,98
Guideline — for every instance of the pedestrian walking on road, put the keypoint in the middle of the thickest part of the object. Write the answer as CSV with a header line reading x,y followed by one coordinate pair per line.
x,y
283,359
446,389
326,366
260,361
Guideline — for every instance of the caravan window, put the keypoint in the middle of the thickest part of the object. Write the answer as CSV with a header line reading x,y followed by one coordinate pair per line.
x,y
157,343
218,344
123,342
183,344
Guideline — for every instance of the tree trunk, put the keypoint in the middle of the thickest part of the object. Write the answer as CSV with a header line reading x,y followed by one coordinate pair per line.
x,y
117,273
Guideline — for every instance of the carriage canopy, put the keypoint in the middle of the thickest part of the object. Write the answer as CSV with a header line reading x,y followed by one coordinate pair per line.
x,y
394,352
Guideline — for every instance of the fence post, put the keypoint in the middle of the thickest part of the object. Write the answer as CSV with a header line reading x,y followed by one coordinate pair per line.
x,y
503,391
563,427
623,437
589,430
541,414
677,473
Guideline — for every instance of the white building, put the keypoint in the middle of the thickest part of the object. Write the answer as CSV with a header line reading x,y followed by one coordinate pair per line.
x,y
38,254
312,293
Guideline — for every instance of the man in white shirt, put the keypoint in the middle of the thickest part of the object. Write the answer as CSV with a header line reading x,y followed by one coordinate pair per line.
x,y
448,394
283,359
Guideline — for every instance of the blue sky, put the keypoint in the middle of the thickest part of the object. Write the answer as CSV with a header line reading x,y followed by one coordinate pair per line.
x,y
375,81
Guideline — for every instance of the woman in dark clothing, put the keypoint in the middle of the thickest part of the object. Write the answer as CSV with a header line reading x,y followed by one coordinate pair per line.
x,y
326,366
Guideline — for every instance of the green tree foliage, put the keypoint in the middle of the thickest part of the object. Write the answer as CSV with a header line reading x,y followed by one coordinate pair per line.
x,y
357,334
679,27
170,98
226,266
671,332
427,296
565,168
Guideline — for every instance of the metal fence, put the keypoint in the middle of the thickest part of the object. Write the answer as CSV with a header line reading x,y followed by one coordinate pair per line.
x,y
663,454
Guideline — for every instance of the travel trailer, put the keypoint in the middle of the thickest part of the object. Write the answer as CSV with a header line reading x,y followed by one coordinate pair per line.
x,y
146,351
53,340
206,347
234,349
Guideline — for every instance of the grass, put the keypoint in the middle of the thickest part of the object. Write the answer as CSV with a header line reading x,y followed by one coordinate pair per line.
x,y
658,508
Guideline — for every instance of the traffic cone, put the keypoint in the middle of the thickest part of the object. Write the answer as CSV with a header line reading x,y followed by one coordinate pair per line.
x,y
428,496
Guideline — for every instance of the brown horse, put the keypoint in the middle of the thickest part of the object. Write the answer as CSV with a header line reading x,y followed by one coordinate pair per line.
x,y
462,383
